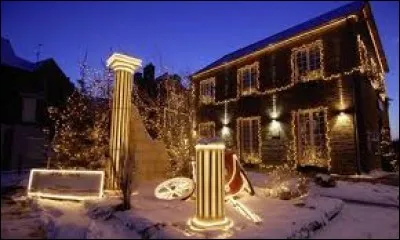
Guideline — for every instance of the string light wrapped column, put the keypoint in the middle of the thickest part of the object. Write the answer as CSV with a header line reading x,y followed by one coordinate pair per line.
x,y
210,191
123,67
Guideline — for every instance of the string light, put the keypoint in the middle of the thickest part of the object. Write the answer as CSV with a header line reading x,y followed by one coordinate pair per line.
x,y
288,86
281,44
62,195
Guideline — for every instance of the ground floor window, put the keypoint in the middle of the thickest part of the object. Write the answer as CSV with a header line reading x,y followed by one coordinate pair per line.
x,y
207,130
312,143
249,139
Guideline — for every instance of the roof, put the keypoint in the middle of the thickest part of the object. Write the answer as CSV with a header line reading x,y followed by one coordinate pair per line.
x,y
8,57
340,12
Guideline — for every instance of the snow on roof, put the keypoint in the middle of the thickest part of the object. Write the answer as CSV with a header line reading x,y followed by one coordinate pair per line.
x,y
9,58
340,12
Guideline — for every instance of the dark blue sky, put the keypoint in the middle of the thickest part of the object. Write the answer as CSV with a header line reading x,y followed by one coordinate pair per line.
x,y
180,36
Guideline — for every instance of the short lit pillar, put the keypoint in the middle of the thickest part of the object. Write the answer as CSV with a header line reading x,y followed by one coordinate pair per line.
x,y
123,67
210,191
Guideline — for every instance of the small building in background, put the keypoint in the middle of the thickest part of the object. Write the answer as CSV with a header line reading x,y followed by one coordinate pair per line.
x,y
27,89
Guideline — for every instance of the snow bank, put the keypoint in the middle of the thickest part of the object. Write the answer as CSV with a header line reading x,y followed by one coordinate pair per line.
x,y
287,219
13,178
357,221
361,192
64,219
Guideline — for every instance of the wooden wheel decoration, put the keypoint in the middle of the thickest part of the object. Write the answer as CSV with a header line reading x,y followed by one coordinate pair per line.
x,y
178,188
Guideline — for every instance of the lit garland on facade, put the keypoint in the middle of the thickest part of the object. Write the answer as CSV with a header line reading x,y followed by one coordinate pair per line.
x,y
290,85
282,43
369,67
238,127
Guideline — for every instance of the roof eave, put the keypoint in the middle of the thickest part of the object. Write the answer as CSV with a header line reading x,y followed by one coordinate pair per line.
x,y
375,36
309,31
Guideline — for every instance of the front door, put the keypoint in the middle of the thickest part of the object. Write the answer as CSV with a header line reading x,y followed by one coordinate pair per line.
x,y
312,145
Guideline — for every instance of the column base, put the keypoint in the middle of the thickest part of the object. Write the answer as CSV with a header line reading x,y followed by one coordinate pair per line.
x,y
201,225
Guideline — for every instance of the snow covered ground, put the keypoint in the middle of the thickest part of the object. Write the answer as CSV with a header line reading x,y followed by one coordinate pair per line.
x,y
154,218
358,221
13,178
361,192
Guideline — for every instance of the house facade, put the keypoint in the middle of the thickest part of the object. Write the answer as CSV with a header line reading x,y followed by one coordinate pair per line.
x,y
27,90
314,94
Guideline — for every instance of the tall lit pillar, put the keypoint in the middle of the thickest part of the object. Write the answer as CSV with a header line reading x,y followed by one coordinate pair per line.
x,y
123,67
210,191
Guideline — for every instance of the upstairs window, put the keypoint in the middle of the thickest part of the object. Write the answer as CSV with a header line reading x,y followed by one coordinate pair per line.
x,y
273,70
307,62
169,117
207,129
28,109
207,91
248,79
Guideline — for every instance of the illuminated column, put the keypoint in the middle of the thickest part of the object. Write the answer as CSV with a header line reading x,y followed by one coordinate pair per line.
x,y
210,191
123,67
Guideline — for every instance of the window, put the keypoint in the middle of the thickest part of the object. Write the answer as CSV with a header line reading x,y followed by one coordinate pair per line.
x,y
207,129
169,117
312,147
336,46
273,70
248,79
28,109
249,139
34,147
381,105
207,91
307,62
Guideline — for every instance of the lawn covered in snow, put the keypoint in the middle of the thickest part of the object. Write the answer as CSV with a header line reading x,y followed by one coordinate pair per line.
x,y
325,213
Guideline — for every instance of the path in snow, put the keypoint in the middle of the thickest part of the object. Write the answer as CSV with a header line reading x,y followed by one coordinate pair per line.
x,y
20,218
362,221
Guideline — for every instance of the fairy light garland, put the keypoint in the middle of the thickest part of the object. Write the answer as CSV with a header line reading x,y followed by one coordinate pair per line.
x,y
369,67
289,85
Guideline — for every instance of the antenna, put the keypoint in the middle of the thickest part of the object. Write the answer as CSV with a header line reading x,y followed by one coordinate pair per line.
x,y
38,51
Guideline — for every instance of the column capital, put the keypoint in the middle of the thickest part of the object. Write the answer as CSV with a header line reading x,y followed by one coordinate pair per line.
x,y
119,61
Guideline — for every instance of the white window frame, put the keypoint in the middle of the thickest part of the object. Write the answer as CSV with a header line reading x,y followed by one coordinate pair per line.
x,y
254,83
308,73
207,91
